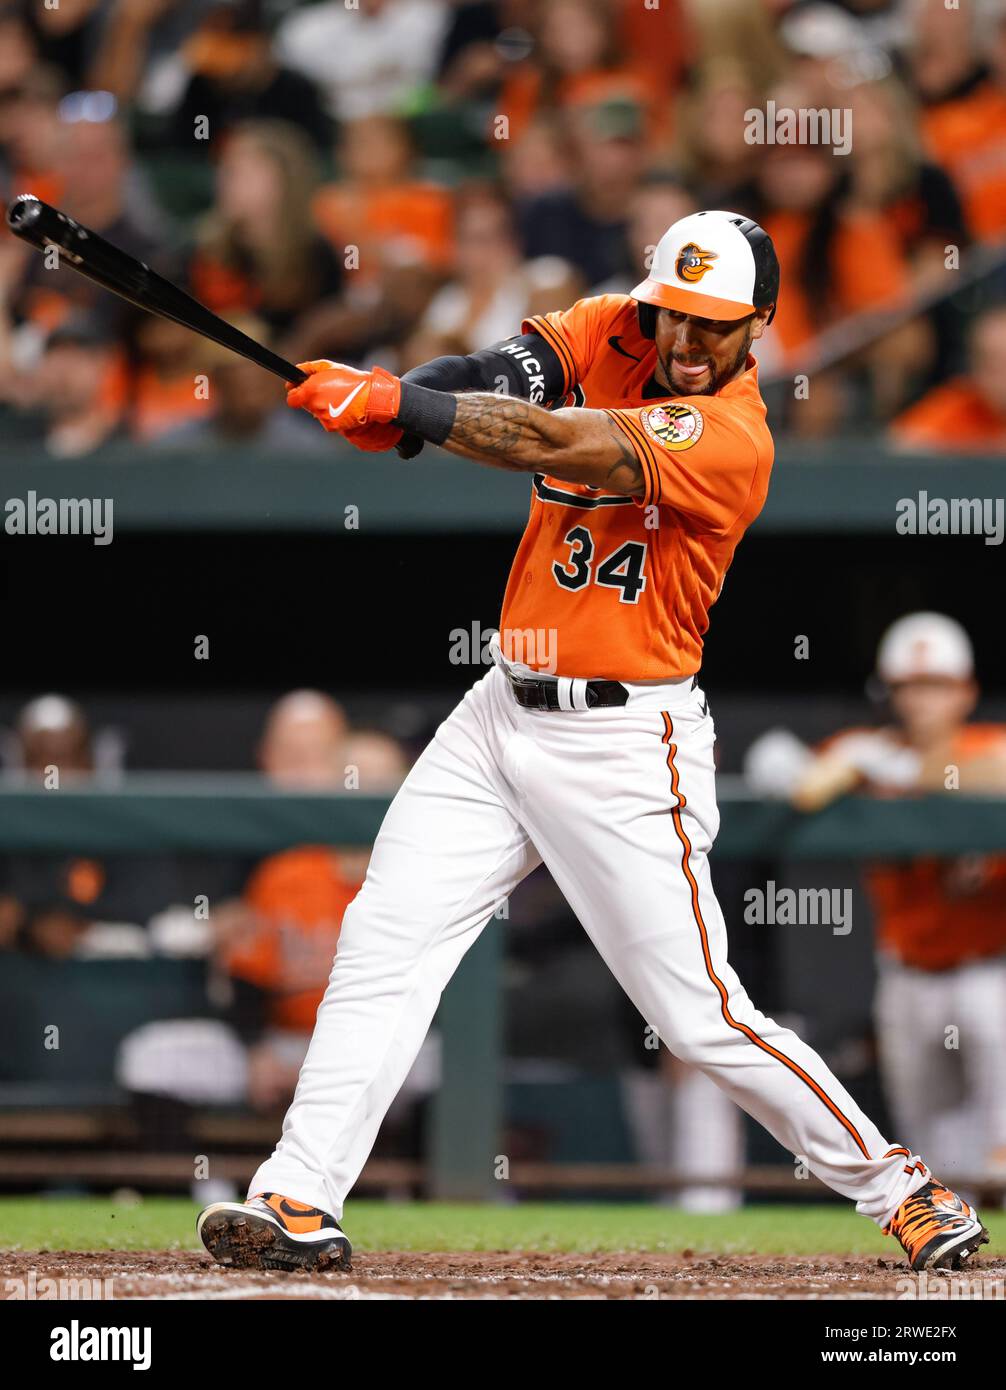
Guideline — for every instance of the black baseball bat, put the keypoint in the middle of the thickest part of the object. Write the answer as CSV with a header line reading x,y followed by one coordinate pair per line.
x,y
42,226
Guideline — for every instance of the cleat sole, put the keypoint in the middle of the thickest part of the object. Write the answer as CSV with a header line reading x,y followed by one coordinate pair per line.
x,y
253,1242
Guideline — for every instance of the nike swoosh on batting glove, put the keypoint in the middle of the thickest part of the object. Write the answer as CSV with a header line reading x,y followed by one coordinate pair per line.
x,y
342,398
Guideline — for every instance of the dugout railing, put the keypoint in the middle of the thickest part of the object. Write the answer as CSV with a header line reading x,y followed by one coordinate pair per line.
x,y
843,486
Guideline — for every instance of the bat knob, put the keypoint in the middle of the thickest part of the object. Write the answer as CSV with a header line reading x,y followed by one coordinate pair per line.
x,y
23,211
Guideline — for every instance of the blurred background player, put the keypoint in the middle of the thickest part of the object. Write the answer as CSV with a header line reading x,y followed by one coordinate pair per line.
x,y
282,935
940,1005
274,944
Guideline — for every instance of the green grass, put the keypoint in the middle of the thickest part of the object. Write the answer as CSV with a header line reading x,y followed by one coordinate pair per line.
x,y
156,1223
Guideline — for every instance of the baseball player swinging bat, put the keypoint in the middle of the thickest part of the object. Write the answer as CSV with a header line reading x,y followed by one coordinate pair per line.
x,y
588,746
43,226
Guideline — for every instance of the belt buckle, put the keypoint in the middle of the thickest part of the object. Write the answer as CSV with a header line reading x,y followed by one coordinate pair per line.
x,y
528,693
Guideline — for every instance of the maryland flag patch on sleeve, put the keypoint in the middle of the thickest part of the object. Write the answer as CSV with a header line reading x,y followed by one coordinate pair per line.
x,y
674,426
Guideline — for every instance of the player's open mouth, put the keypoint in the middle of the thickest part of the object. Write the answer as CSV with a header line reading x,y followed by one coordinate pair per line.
x,y
692,372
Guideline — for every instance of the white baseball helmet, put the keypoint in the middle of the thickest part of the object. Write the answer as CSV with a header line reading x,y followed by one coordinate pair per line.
x,y
925,644
716,265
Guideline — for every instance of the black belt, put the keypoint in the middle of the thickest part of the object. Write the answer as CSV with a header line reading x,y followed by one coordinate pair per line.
x,y
533,693
543,693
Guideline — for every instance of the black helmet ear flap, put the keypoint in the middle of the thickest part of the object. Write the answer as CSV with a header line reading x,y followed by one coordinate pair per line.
x,y
766,285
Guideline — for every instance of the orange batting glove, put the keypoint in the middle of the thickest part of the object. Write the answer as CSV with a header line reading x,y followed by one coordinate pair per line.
x,y
342,398
373,439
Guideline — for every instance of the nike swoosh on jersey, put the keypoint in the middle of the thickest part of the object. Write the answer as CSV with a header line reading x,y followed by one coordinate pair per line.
x,y
616,342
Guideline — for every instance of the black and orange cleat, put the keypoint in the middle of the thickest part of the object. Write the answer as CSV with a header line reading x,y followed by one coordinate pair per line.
x,y
270,1231
936,1228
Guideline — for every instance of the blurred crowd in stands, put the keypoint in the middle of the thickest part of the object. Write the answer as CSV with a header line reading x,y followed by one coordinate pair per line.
x,y
387,180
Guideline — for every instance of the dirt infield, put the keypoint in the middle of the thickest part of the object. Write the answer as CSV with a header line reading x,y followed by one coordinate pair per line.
x,y
504,1275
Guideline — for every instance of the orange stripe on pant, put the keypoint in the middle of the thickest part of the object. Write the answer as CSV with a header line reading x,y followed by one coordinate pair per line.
x,y
749,1033
917,1167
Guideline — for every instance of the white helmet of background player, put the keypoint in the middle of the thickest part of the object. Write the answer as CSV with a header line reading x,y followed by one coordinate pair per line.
x,y
715,265
924,645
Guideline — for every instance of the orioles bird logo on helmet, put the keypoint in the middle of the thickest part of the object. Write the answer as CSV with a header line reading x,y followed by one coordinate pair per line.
x,y
691,263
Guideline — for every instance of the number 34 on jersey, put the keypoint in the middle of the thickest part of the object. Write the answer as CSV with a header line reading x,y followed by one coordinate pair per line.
x,y
623,569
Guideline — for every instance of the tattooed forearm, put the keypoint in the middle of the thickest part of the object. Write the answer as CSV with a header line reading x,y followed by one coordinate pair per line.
x,y
501,430
576,445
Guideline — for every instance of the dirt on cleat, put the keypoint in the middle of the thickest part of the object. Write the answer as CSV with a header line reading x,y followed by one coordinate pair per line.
x,y
236,1242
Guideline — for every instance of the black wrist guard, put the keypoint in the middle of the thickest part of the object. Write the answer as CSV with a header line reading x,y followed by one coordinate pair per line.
x,y
430,414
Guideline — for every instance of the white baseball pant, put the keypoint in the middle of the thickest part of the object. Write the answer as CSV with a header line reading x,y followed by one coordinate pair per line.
x,y
620,805
946,1091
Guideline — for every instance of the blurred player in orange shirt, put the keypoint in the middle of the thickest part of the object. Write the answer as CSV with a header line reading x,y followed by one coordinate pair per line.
x,y
275,943
283,935
967,414
941,923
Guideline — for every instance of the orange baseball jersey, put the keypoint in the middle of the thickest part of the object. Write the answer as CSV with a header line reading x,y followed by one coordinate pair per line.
x,y
624,583
932,913
300,896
